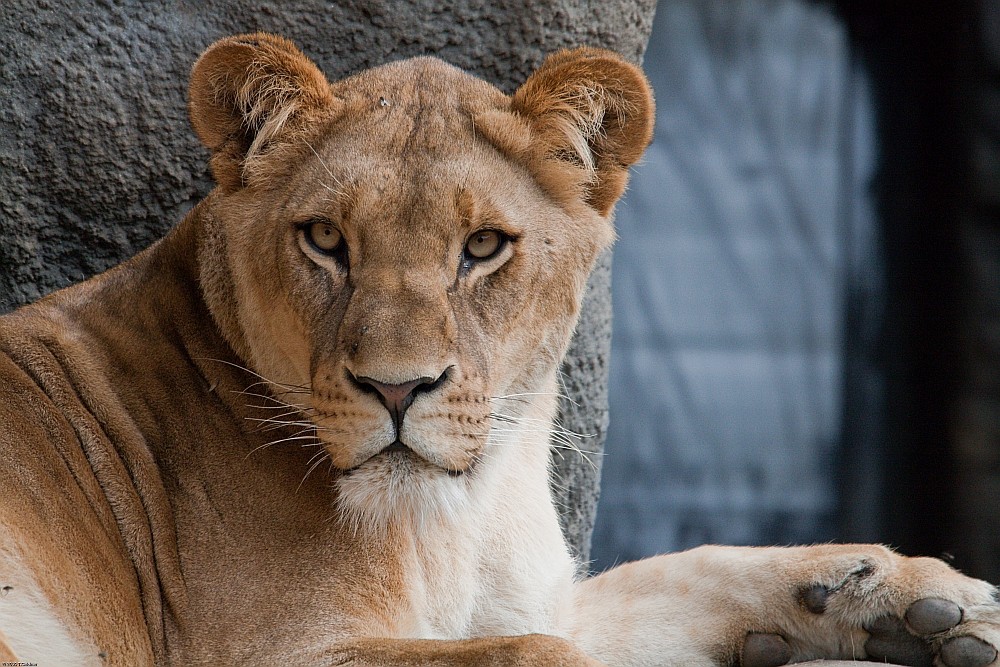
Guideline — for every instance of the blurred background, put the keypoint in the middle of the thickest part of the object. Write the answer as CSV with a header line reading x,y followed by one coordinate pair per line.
x,y
806,287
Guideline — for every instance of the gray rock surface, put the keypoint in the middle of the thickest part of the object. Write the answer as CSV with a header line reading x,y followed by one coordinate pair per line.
x,y
97,159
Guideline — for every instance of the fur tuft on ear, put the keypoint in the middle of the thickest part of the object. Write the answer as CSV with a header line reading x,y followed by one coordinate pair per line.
x,y
248,96
591,116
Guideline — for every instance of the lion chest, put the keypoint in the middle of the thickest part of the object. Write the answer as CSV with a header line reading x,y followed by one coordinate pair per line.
x,y
507,582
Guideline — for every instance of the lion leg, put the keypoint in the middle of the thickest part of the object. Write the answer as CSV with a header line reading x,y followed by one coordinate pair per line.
x,y
519,651
762,607
6,654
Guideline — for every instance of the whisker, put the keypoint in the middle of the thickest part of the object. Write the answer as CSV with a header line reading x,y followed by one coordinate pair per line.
x,y
285,389
557,394
265,397
560,439
286,406
553,426
322,456
277,419
255,374
506,419
560,447
333,178
264,428
553,429
272,416
278,442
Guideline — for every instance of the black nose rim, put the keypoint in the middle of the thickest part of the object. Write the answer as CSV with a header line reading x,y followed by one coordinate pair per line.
x,y
397,398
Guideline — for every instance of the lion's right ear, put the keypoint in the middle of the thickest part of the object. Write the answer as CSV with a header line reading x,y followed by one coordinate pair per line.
x,y
590,115
249,95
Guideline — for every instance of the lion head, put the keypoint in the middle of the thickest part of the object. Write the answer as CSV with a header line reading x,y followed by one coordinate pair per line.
x,y
402,253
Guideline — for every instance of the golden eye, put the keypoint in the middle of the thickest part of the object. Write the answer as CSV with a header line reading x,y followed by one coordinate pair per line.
x,y
324,236
483,244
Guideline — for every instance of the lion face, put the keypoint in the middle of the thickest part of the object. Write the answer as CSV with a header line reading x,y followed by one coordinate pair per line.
x,y
403,253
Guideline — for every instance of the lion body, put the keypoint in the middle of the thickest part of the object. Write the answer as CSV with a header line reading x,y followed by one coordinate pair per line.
x,y
312,424
162,473
139,421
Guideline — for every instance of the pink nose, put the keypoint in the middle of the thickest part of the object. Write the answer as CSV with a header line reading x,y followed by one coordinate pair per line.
x,y
397,398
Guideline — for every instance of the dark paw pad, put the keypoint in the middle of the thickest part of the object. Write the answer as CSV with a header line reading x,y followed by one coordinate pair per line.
x,y
765,650
930,615
891,642
814,598
967,652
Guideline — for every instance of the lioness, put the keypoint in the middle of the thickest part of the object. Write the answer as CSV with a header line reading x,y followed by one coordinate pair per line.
x,y
310,426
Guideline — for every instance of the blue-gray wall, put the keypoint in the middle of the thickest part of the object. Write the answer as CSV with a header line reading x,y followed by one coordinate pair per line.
x,y
746,291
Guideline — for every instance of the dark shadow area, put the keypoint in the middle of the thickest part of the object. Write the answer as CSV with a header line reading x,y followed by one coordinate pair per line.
x,y
917,57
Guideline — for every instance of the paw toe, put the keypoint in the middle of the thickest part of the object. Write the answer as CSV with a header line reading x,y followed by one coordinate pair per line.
x,y
766,650
814,598
890,642
931,615
967,652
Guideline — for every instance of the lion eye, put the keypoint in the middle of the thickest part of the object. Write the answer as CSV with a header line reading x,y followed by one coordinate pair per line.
x,y
324,236
484,244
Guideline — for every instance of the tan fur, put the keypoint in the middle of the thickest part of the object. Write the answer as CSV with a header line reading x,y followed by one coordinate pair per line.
x,y
6,654
195,466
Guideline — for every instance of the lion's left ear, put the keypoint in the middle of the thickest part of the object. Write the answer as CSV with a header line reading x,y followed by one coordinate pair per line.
x,y
249,96
592,114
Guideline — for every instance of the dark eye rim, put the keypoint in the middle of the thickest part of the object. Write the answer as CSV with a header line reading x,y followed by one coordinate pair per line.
x,y
468,259
338,253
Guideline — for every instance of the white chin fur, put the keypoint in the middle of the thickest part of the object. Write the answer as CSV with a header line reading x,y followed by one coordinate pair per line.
x,y
398,490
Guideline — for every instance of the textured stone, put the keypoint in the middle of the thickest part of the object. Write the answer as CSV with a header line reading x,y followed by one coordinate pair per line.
x,y
97,159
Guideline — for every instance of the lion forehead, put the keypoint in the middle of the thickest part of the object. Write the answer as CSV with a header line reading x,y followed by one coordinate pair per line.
x,y
424,82
420,107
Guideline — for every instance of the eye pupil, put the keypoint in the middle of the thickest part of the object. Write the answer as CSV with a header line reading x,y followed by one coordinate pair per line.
x,y
324,236
483,244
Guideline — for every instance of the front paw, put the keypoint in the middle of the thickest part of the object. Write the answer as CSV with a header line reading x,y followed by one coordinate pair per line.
x,y
936,628
886,608
931,632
